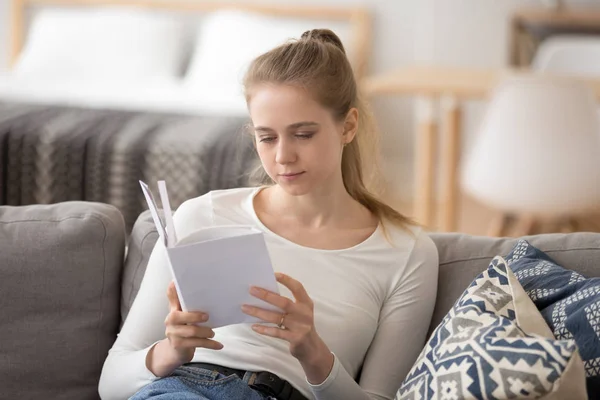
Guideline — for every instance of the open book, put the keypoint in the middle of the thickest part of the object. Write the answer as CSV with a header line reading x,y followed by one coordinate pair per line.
x,y
214,267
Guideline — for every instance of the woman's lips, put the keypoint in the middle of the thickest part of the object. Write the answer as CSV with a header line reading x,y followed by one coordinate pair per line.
x,y
291,176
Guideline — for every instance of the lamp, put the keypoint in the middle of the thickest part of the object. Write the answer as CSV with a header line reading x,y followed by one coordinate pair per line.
x,y
537,153
576,55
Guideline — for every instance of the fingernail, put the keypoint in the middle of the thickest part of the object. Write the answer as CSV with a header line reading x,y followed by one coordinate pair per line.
x,y
204,317
255,290
245,308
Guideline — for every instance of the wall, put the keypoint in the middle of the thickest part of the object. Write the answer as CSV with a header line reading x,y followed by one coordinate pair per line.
x,y
456,32
4,35
393,46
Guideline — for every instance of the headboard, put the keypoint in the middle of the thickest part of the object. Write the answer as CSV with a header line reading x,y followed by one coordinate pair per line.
x,y
358,18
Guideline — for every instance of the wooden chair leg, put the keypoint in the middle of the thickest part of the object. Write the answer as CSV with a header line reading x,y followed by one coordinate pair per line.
x,y
551,226
450,155
499,225
525,225
565,225
575,224
426,160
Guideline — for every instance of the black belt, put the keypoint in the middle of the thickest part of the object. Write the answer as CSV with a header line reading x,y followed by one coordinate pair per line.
x,y
263,381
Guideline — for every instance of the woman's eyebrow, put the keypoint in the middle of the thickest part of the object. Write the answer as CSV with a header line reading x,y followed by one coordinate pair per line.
x,y
263,129
296,125
302,124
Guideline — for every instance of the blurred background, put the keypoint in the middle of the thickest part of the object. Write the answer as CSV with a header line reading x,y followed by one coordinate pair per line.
x,y
489,123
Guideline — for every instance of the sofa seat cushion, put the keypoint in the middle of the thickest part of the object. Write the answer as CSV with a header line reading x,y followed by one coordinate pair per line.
x,y
568,301
495,344
60,293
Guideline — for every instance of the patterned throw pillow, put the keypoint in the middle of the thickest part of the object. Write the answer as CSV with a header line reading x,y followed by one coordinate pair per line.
x,y
494,344
569,303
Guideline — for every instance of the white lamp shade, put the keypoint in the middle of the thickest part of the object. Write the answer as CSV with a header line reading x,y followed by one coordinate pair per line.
x,y
538,149
570,55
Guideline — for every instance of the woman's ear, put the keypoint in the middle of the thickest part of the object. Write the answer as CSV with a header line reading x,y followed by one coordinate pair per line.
x,y
350,125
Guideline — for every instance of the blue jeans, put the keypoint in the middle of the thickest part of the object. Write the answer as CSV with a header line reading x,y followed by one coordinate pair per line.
x,y
191,383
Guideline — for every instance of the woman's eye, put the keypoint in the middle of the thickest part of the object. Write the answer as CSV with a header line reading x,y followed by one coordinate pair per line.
x,y
266,139
305,135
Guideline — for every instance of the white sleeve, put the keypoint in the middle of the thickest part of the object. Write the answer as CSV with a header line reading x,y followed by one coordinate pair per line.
x,y
124,371
401,333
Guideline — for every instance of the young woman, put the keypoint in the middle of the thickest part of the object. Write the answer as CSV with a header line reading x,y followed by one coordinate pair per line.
x,y
358,280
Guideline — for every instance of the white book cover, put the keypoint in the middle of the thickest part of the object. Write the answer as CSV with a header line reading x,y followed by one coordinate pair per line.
x,y
214,267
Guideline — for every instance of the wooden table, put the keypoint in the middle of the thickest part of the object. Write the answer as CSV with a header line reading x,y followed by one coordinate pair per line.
x,y
529,27
447,86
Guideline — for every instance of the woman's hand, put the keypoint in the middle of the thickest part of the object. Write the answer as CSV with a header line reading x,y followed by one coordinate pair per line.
x,y
182,332
182,338
295,325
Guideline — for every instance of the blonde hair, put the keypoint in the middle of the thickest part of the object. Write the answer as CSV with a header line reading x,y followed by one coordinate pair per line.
x,y
318,63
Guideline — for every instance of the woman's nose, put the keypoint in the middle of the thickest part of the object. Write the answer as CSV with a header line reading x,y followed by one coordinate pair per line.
x,y
285,152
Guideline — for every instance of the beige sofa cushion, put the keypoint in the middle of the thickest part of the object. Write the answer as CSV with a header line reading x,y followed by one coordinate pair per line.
x,y
463,257
494,343
61,270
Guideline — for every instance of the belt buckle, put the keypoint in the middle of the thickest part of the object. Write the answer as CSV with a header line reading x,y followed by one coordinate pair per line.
x,y
267,382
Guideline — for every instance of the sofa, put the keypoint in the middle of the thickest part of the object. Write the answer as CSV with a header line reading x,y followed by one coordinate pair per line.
x,y
69,274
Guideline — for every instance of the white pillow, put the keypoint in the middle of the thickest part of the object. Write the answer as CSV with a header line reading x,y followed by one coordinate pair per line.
x,y
104,44
228,41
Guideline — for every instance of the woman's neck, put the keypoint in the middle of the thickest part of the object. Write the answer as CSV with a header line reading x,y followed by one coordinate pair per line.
x,y
326,207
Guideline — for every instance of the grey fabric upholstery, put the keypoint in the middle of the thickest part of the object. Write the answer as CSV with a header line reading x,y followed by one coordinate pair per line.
x,y
65,288
141,242
60,281
463,257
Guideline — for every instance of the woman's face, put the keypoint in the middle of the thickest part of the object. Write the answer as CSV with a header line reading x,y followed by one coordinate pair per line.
x,y
298,140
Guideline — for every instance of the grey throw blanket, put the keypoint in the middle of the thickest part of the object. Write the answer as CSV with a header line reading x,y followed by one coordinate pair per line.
x,y
51,154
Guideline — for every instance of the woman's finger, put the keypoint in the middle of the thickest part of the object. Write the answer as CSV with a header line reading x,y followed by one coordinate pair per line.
x,y
186,343
295,287
265,315
272,298
182,317
206,343
174,304
190,331
185,318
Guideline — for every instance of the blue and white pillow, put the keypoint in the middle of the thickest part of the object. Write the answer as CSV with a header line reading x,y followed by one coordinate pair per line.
x,y
569,303
493,344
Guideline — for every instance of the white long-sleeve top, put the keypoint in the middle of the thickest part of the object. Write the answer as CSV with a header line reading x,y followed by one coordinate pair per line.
x,y
372,306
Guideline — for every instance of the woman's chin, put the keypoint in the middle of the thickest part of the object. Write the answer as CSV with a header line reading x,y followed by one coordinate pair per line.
x,y
294,188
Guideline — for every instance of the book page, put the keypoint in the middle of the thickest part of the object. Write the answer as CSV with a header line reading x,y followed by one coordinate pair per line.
x,y
152,206
215,275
